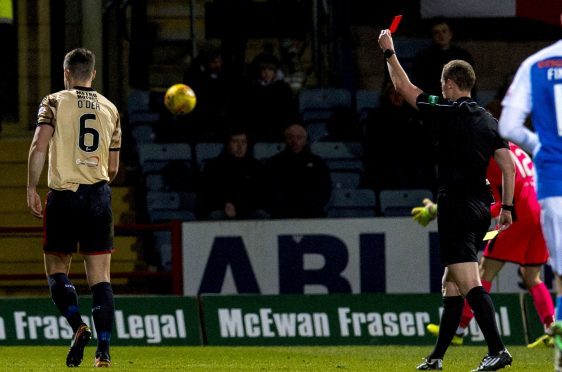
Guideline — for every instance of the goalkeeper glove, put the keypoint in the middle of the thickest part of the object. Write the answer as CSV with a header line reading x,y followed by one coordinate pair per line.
x,y
424,215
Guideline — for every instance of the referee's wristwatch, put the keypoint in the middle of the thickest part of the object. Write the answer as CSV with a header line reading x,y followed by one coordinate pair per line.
x,y
388,53
506,207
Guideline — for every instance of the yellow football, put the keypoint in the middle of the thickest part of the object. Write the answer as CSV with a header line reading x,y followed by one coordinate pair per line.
x,y
180,99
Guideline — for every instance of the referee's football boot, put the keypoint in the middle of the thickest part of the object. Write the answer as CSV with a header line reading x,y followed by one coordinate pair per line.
x,y
457,338
79,342
430,365
495,362
102,360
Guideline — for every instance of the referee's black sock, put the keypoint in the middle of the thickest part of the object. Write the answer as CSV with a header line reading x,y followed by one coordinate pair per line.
x,y
103,310
450,319
485,314
65,298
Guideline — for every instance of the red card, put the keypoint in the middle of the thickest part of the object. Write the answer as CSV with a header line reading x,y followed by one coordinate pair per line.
x,y
395,23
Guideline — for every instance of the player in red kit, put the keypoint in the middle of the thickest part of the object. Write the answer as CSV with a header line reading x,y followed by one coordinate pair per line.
x,y
522,243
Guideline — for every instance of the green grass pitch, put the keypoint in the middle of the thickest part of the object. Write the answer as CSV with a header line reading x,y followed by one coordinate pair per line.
x,y
296,358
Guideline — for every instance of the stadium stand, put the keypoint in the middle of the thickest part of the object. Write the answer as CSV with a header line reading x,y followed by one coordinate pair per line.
x,y
265,150
352,203
319,104
20,253
143,133
163,206
153,157
395,203
340,155
345,180
205,151
139,107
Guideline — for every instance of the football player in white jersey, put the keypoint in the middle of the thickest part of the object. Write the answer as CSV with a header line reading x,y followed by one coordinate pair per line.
x,y
536,91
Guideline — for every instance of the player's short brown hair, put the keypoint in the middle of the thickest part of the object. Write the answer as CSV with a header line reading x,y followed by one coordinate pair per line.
x,y
80,62
461,72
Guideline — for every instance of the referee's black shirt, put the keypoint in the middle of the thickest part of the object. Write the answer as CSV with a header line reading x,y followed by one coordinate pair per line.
x,y
468,137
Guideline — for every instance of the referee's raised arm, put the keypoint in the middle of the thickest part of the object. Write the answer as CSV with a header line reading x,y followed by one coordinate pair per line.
x,y
399,78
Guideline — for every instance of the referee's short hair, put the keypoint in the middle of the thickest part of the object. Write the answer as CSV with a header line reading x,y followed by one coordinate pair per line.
x,y
80,62
461,72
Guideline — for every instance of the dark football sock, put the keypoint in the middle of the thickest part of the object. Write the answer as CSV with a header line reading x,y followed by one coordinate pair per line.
x,y
452,312
103,310
485,314
65,298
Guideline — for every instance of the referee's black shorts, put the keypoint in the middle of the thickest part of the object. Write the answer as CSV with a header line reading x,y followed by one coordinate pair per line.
x,y
82,218
463,221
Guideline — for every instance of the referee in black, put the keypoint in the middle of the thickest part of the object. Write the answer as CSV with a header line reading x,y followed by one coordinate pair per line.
x,y
468,137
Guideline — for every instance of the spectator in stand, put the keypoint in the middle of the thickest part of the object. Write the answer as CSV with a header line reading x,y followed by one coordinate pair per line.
x,y
207,79
300,181
265,101
408,167
428,64
233,184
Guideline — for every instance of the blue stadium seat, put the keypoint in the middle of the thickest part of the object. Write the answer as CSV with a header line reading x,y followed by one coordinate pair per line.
x,y
155,182
345,180
143,133
162,206
401,202
316,131
352,203
340,155
205,151
318,104
265,150
153,157
138,105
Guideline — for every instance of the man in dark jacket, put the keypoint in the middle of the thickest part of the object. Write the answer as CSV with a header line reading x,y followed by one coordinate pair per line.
x,y
233,184
429,62
300,181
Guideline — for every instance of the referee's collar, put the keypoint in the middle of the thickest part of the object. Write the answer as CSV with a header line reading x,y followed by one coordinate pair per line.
x,y
464,99
82,88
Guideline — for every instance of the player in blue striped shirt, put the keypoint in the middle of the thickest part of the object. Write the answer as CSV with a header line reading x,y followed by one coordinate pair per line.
x,y
536,91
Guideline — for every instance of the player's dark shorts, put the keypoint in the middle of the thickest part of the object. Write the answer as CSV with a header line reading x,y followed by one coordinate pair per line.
x,y
463,221
82,218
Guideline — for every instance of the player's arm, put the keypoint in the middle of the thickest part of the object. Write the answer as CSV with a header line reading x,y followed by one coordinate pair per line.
x,y
503,158
517,104
35,163
114,148
512,127
113,166
399,78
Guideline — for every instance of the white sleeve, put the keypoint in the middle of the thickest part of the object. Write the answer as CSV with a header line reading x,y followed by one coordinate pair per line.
x,y
519,93
512,127
517,105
